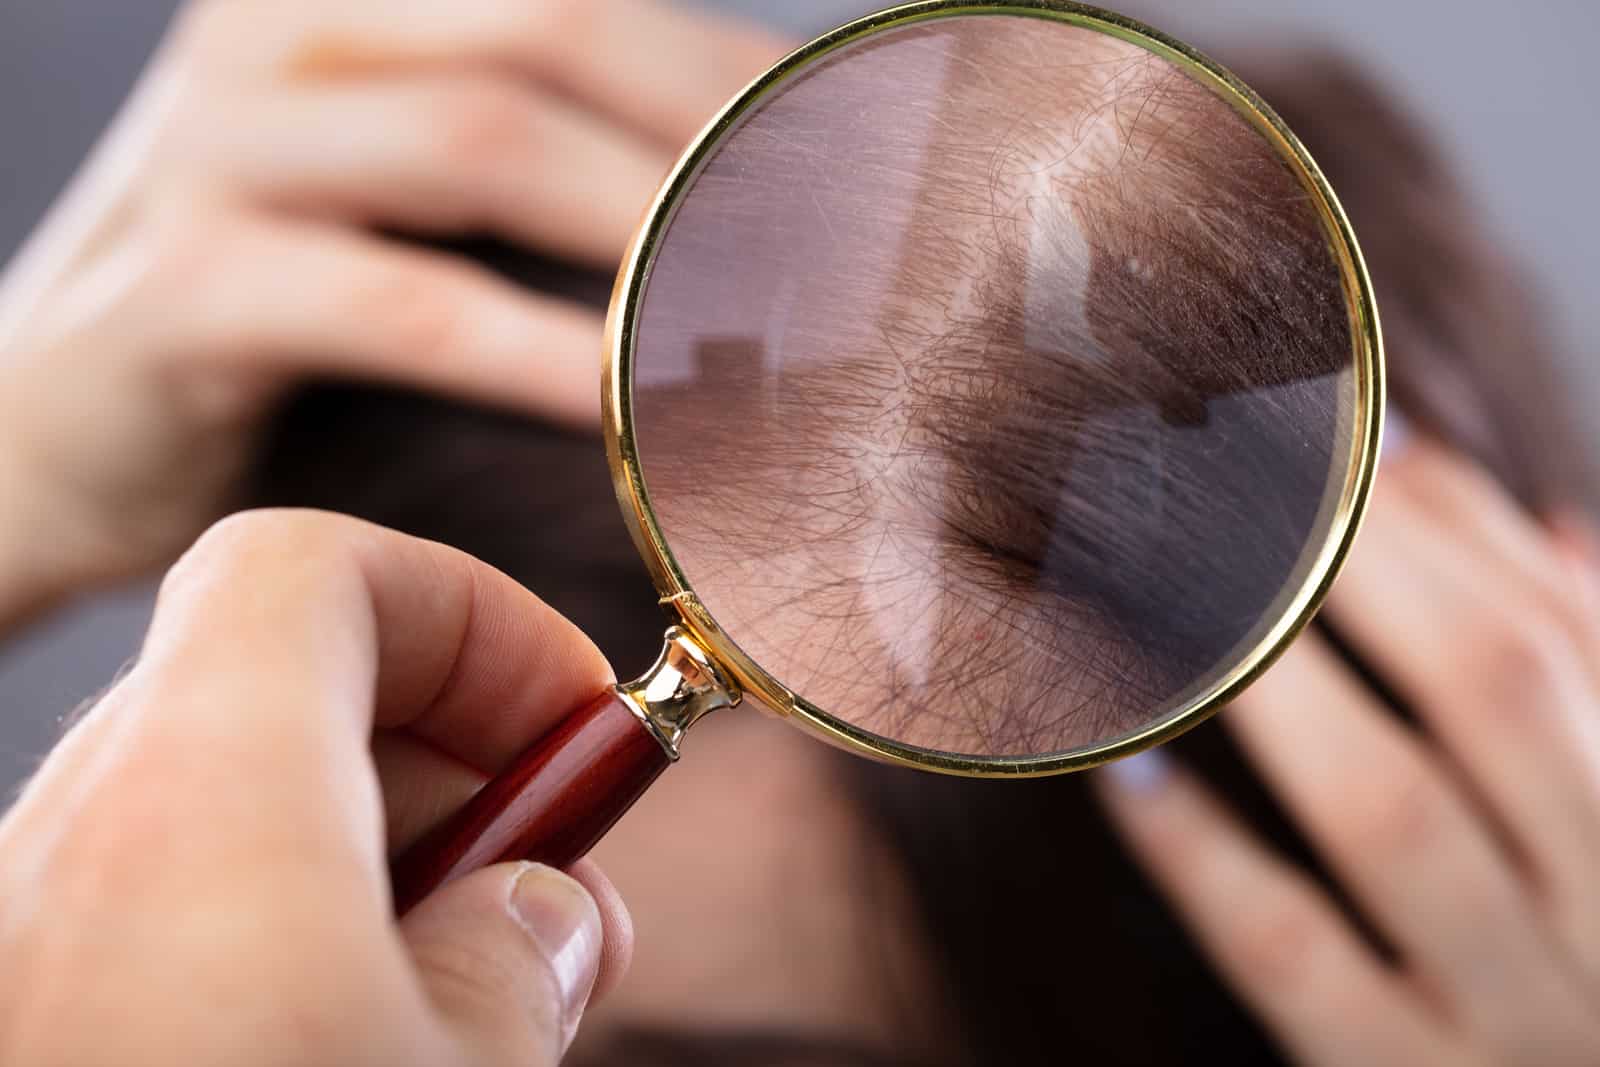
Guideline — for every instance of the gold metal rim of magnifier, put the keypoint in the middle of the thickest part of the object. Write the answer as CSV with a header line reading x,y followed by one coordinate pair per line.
x,y
696,625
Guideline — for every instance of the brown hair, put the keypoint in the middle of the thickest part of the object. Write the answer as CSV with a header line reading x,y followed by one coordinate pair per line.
x,y
1035,400
1108,978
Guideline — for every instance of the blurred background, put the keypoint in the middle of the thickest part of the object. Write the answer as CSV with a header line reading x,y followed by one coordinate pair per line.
x,y
1511,92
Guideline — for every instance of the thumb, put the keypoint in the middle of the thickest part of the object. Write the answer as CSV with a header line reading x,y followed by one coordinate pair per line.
x,y
509,956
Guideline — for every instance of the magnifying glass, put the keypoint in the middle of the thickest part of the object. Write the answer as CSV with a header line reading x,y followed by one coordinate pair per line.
x,y
992,388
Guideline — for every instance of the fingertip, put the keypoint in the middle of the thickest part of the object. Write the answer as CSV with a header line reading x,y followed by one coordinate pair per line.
x,y
563,920
616,952
1136,792
1140,775
1398,436
1150,796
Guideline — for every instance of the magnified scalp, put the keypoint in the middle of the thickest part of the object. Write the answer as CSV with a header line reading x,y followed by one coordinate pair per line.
x,y
993,386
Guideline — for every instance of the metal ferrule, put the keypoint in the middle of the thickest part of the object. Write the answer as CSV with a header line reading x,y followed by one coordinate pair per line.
x,y
684,685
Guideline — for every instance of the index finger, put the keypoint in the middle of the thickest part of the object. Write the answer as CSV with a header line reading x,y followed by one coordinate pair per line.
x,y
279,642
377,629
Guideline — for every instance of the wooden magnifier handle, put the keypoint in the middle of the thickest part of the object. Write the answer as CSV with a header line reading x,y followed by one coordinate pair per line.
x,y
563,793
550,806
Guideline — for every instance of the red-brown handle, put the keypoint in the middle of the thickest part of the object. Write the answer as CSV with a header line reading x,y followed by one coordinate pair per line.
x,y
550,806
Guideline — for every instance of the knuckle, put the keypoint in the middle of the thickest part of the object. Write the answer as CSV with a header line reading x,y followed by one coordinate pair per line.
x,y
1279,940
1398,817
237,542
417,313
483,127
243,532
181,252
266,552
1515,667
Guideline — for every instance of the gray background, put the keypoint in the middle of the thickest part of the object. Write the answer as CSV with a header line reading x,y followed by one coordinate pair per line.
x,y
1512,91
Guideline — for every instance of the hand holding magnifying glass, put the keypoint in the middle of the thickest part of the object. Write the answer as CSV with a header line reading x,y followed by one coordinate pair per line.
x,y
993,388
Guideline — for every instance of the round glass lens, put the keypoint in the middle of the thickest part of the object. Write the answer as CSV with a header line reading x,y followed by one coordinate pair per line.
x,y
995,385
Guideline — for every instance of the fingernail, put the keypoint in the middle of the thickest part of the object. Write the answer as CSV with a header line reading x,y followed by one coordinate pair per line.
x,y
561,918
1396,435
1144,773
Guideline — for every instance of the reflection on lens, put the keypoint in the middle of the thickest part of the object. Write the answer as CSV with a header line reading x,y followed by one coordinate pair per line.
x,y
994,385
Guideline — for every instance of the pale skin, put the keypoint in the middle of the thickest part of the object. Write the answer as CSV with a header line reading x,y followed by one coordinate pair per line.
x,y
219,246
217,827
1472,847
136,331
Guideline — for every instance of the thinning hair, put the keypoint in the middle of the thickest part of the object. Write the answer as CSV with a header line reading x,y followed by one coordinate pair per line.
x,y
997,415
